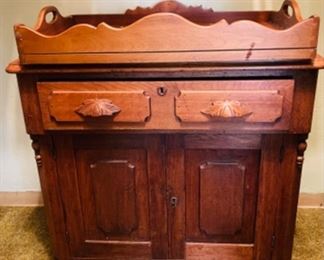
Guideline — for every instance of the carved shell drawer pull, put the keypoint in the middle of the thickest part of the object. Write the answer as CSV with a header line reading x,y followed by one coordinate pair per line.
x,y
226,109
97,108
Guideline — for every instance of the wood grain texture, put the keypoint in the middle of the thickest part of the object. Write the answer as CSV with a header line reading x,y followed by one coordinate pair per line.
x,y
269,195
108,39
117,250
195,251
55,214
70,195
220,201
172,7
30,103
98,188
247,106
114,180
213,196
200,15
63,101
247,57
196,14
158,204
176,188
290,173
114,199
171,70
260,101
270,103
303,105
55,25
97,108
286,18
210,141
155,144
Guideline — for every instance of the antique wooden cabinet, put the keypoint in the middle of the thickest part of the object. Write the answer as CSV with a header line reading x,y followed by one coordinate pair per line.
x,y
170,132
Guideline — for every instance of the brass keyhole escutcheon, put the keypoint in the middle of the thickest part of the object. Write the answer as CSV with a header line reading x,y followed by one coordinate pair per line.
x,y
162,91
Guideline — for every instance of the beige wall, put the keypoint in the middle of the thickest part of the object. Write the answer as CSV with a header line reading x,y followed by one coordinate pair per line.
x,y
17,167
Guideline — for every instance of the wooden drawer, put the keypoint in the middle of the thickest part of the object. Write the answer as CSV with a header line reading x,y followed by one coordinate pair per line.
x,y
238,102
93,102
224,105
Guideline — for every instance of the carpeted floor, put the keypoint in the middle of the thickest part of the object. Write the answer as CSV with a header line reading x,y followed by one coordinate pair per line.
x,y
23,234
309,235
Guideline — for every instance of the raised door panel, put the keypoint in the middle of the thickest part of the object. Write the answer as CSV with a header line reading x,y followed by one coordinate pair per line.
x,y
221,192
114,180
114,194
214,196
106,196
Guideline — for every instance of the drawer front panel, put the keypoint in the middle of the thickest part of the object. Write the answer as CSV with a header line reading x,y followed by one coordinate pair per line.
x,y
215,105
246,106
121,106
238,101
75,102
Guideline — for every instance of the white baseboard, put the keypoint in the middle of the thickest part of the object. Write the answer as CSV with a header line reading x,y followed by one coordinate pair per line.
x,y
24,199
34,198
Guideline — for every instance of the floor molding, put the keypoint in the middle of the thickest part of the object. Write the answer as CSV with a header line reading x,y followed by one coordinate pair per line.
x,y
34,198
26,199
311,200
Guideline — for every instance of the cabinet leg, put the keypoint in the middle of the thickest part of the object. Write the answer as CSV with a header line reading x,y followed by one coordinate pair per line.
x,y
45,159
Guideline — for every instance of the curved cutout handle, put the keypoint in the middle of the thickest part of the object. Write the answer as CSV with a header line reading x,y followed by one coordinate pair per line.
x,y
97,108
42,22
295,10
227,109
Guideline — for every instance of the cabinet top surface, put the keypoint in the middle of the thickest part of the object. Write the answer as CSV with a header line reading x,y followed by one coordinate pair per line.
x,y
18,68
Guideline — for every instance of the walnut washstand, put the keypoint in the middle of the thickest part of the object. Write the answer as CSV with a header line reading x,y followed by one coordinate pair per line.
x,y
170,132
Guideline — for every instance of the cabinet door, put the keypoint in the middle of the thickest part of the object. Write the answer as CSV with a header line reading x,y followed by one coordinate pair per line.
x,y
114,194
220,195
107,197
217,197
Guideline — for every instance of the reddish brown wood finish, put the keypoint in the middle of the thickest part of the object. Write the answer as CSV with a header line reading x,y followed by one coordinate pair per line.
x,y
283,37
97,107
111,187
290,173
247,106
263,104
269,181
219,251
80,101
176,189
167,235
221,190
176,160
44,149
115,196
214,195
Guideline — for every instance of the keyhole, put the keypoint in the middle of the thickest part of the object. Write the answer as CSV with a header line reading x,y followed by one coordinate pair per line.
x,y
162,91
173,202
